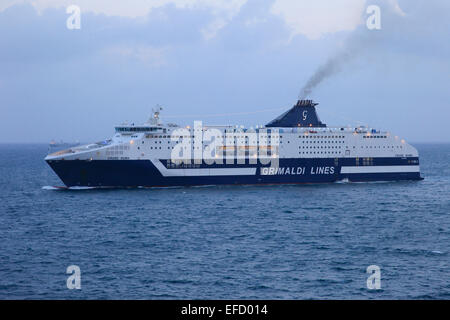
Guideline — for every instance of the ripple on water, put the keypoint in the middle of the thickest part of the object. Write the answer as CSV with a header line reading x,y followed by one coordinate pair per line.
x,y
291,242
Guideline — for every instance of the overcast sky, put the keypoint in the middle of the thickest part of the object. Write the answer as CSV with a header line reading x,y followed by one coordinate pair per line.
x,y
201,58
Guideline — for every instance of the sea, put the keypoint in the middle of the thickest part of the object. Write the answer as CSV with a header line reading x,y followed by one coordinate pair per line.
x,y
223,242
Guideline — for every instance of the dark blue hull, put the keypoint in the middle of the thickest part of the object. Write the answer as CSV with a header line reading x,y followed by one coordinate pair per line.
x,y
134,173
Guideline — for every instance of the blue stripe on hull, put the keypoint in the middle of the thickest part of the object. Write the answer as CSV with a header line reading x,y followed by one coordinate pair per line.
x,y
364,177
132,173
381,161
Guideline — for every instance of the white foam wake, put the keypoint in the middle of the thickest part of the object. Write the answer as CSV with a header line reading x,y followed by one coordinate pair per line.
x,y
53,188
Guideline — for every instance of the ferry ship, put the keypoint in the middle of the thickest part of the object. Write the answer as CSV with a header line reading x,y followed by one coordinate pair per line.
x,y
294,148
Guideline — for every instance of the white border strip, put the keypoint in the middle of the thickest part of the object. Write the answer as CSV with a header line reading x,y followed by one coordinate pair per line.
x,y
203,172
380,169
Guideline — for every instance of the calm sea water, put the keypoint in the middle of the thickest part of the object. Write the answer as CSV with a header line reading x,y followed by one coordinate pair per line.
x,y
271,242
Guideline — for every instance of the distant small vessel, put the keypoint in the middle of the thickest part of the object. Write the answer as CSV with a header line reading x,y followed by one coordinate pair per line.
x,y
294,148
54,146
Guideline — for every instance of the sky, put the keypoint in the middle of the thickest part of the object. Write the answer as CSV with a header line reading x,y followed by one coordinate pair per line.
x,y
237,62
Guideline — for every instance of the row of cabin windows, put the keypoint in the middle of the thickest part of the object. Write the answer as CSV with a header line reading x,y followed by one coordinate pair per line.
x,y
135,129
320,147
324,142
322,137
321,141
321,152
156,148
204,142
241,137
379,147
384,137
280,141
246,137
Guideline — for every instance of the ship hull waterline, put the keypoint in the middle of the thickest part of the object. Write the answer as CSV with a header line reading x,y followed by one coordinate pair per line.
x,y
144,173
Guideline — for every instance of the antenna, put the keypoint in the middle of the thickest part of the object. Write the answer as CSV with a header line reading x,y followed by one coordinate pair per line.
x,y
154,119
